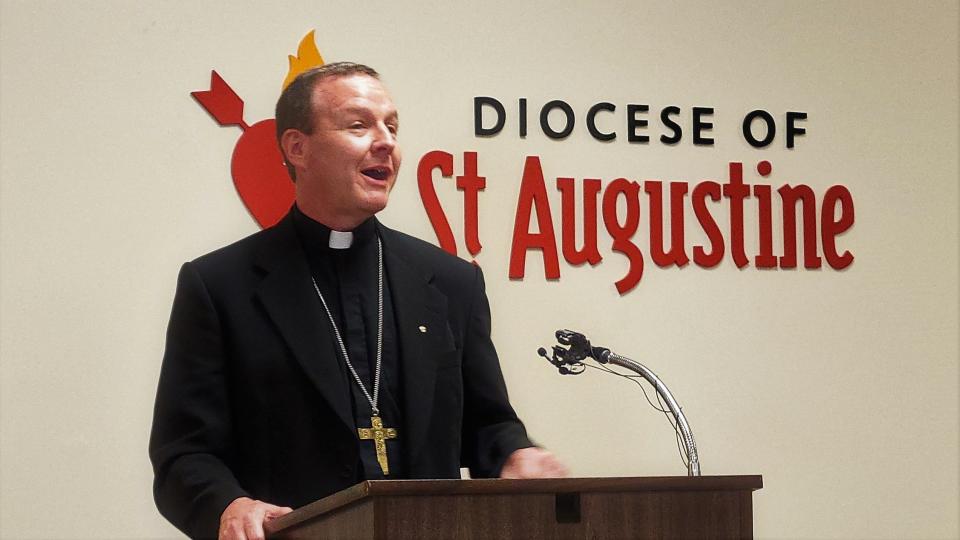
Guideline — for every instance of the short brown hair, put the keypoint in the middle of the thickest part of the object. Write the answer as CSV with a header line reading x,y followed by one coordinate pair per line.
x,y
295,105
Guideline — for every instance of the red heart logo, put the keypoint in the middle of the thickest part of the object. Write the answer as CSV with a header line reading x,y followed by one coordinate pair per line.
x,y
259,174
257,166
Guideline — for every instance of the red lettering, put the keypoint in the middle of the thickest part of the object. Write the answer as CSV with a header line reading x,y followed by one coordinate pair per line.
x,y
589,253
765,259
830,227
436,160
677,254
471,184
790,196
709,225
533,196
736,192
836,218
621,233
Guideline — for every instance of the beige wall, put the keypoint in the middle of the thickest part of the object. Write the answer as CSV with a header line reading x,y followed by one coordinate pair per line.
x,y
841,388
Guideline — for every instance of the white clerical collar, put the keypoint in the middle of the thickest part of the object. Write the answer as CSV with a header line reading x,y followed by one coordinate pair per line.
x,y
340,239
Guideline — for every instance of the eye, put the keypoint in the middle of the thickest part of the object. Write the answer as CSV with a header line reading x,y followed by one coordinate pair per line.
x,y
393,128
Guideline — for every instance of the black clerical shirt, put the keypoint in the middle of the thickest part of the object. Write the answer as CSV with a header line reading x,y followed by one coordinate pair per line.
x,y
348,280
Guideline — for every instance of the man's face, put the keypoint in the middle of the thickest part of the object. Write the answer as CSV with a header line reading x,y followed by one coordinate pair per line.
x,y
351,160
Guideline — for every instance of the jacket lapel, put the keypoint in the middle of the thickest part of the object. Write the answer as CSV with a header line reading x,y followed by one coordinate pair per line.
x,y
288,296
421,318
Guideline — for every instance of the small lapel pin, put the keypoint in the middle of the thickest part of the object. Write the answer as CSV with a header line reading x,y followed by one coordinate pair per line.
x,y
423,329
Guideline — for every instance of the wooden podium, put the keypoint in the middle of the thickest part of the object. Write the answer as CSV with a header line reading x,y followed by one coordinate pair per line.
x,y
649,507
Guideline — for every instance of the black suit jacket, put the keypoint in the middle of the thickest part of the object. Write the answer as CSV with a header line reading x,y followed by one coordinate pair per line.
x,y
251,400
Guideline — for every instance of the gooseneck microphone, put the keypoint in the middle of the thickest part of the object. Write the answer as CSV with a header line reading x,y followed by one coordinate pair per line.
x,y
569,360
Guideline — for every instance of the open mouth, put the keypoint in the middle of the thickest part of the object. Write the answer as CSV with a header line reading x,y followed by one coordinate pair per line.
x,y
377,173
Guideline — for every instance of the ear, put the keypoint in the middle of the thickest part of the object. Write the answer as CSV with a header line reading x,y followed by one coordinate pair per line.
x,y
293,144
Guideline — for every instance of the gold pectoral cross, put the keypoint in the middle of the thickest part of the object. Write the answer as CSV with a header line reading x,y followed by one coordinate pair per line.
x,y
379,435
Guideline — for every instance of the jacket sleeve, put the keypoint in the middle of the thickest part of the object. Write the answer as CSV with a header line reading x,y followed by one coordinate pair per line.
x,y
190,441
491,429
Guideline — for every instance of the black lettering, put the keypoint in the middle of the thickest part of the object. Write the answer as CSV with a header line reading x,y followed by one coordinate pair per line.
x,y
792,128
545,125
523,117
748,128
592,121
699,126
478,103
671,125
633,123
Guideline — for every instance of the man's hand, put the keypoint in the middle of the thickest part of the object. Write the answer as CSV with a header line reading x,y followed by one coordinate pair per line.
x,y
533,462
243,519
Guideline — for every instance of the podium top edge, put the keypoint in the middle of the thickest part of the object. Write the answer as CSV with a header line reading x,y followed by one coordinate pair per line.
x,y
380,488
560,485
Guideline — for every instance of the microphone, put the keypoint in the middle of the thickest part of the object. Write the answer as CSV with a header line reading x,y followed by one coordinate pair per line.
x,y
561,360
569,361
558,361
579,348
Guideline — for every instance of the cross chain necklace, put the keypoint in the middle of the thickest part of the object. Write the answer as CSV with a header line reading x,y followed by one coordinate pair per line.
x,y
376,431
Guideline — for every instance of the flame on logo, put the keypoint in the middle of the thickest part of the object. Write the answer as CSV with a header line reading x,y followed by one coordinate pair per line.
x,y
307,57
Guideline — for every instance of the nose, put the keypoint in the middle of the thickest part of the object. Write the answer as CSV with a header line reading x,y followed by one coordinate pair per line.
x,y
384,141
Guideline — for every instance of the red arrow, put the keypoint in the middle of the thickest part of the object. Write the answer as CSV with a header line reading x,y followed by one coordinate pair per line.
x,y
223,104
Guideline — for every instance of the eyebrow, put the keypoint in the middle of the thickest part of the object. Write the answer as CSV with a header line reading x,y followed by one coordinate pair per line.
x,y
363,110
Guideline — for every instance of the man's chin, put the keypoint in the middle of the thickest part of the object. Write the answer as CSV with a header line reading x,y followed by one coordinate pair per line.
x,y
374,204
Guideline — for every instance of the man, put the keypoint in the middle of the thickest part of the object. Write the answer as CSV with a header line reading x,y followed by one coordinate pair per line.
x,y
328,349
